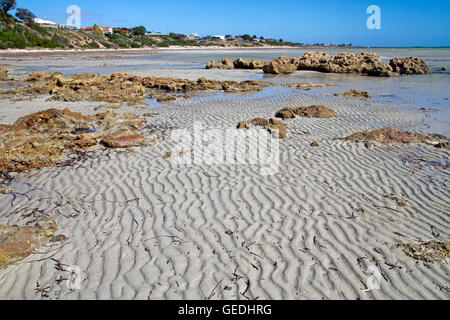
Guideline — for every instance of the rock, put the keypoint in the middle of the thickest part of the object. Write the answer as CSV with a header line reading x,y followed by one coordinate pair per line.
x,y
40,139
443,145
166,98
150,114
58,238
357,94
242,64
443,69
305,85
282,65
4,74
317,144
314,61
306,112
17,243
124,139
408,66
390,135
365,63
288,113
272,125
226,64
256,64
369,145
43,75
121,88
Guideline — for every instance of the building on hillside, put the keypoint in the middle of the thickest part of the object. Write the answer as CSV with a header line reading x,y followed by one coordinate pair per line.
x,y
54,25
194,36
124,31
106,30
46,23
67,27
219,37
154,34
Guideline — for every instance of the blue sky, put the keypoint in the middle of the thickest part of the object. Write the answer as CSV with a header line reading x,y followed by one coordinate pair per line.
x,y
403,22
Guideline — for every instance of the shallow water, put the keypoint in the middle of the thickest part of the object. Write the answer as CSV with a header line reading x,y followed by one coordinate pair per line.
x,y
429,92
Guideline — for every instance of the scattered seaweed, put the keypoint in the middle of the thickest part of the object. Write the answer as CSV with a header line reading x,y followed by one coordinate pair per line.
x,y
432,251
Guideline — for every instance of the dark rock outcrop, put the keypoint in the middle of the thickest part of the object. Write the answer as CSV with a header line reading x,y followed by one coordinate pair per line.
x,y
282,65
273,126
320,112
365,63
409,66
391,135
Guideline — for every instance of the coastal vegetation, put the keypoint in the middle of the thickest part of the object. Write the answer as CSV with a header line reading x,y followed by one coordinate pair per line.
x,y
21,32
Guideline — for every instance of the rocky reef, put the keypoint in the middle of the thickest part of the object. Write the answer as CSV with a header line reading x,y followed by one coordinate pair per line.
x,y
17,243
121,88
40,139
365,63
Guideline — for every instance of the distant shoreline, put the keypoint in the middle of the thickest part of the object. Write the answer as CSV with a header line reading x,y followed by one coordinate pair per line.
x,y
142,51
32,53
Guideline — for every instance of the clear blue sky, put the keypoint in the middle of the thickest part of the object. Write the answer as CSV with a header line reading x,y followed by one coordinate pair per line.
x,y
404,22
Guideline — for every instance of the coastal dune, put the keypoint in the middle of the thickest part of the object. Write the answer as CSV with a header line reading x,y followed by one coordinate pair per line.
x,y
141,227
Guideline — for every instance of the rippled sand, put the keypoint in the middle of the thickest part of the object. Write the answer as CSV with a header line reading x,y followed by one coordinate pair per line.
x,y
140,227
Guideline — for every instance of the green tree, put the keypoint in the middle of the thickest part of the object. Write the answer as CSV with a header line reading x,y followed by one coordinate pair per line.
x,y
98,31
7,5
246,37
139,31
26,16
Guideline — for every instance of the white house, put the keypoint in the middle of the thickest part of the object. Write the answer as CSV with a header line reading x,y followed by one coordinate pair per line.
x,y
194,36
46,23
154,34
106,30
54,25
219,37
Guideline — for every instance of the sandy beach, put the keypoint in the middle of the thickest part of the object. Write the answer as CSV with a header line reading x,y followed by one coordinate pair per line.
x,y
140,226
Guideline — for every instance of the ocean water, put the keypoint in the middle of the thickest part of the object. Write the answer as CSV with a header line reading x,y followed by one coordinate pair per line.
x,y
428,94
